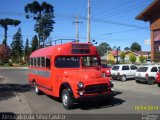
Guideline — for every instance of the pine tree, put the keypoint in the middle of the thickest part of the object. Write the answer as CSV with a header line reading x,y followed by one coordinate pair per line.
x,y
17,47
34,44
27,50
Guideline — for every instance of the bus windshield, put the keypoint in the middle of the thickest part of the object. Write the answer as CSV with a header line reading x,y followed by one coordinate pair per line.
x,y
89,61
74,61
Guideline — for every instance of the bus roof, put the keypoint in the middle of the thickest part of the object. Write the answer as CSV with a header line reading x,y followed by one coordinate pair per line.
x,y
62,49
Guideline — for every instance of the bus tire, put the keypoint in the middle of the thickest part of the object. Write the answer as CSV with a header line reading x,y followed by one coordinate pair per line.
x,y
67,100
37,91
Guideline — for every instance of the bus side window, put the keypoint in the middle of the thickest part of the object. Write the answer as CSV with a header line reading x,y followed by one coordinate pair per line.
x,y
34,62
38,62
48,63
42,61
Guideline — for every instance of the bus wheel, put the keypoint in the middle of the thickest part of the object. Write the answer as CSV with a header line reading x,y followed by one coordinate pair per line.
x,y
37,91
67,100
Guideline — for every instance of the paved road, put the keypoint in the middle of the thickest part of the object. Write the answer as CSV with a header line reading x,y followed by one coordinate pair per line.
x,y
128,95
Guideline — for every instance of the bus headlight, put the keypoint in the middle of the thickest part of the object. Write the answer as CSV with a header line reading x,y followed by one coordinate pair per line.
x,y
80,85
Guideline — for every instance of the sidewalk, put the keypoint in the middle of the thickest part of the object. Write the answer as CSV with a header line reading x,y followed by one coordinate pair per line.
x,y
10,100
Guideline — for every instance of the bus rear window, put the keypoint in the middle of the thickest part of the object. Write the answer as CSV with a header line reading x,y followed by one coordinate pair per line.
x,y
67,62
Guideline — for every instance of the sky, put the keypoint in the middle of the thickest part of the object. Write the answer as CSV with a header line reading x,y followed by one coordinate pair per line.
x,y
112,21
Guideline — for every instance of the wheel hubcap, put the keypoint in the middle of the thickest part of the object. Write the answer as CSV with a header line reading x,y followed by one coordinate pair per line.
x,y
36,88
65,99
123,78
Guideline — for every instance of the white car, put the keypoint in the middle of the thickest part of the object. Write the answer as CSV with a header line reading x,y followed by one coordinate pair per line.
x,y
123,71
146,74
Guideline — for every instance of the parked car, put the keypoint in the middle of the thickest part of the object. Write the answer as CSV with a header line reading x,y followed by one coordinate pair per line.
x,y
123,71
147,74
106,69
158,78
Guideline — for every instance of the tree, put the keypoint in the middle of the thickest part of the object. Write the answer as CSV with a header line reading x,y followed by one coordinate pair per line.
x,y
34,44
27,50
132,58
122,56
43,14
5,23
135,47
103,48
4,53
126,48
17,47
142,58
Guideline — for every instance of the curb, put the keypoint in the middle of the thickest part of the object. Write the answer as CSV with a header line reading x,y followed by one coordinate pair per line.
x,y
3,68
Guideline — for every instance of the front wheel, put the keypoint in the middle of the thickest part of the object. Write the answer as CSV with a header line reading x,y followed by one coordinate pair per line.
x,y
158,85
67,100
151,81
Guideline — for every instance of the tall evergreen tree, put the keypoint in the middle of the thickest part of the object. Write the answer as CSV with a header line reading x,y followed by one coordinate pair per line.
x,y
34,44
43,14
5,23
17,46
27,50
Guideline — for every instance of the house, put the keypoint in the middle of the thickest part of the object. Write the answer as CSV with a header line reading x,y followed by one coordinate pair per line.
x,y
152,15
112,55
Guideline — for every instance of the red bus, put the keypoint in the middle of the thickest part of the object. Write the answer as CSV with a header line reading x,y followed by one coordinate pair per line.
x,y
70,71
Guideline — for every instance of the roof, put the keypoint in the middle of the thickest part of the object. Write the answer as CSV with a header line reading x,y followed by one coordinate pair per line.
x,y
149,11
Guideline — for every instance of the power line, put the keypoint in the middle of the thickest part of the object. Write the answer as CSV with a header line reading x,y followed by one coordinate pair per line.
x,y
112,8
119,12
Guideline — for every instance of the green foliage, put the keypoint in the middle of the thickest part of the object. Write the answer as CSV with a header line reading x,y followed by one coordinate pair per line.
x,y
142,58
34,44
4,23
17,47
132,58
135,47
122,56
27,50
43,14
126,48
103,48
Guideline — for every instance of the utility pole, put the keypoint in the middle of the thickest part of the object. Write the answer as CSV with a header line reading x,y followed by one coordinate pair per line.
x,y
77,22
88,22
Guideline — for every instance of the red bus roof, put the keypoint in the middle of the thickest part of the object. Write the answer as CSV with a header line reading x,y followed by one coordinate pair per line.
x,y
62,49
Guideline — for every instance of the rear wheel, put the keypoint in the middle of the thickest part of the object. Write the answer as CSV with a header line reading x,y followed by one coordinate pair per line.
x,y
37,91
151,81
158,85
137,81
123,78
67,99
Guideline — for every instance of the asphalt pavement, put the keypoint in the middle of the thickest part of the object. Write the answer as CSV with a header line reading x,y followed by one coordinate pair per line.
x,y
17,96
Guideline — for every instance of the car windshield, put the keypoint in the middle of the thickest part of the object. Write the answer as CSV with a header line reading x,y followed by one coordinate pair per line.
x,y
105,66
89,61
142,69
115,68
